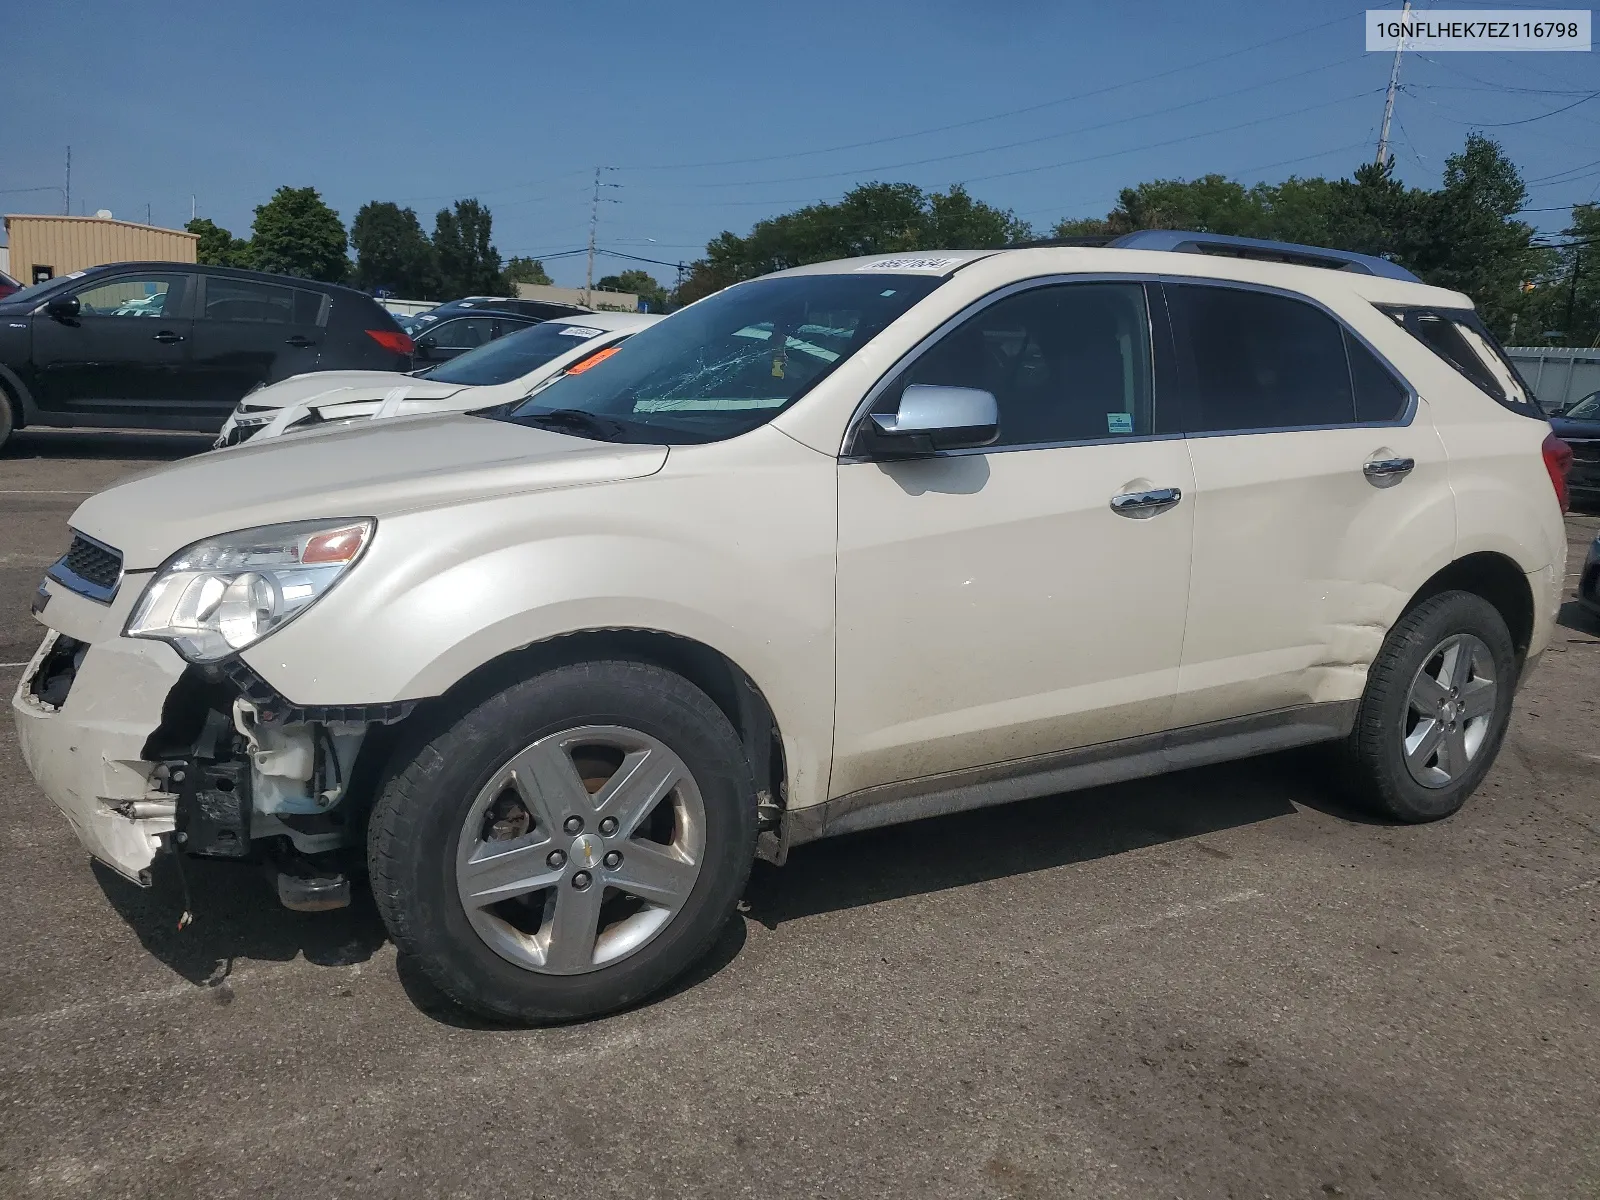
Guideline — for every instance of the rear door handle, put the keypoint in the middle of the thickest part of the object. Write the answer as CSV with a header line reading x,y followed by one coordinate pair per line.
x,y
167,337
1145,504
1382,471
299,340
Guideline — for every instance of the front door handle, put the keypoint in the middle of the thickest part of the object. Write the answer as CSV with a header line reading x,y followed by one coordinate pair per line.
x,y
166,337
1145,504
1382,472
299,341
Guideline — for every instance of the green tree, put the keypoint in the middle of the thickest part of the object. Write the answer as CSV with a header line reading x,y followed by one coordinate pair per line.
x,y
873,218
393,254
527,270
295,233
217,246
468,262
1563,297
641,284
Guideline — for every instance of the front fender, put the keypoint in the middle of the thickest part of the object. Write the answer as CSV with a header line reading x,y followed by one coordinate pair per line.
x,y
730,545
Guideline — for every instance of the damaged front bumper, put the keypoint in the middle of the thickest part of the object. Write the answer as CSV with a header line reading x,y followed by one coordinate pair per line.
x,y
144,753
87,753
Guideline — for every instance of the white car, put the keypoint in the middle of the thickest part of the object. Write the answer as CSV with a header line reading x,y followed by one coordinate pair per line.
x,y
851,544
505,369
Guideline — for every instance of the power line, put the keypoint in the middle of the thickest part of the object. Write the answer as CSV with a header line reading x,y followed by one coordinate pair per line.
x,y
1014,112
1093,127
1072,162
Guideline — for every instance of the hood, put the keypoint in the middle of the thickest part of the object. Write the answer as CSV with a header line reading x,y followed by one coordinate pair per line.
x,y
370,469
335,386
1568,429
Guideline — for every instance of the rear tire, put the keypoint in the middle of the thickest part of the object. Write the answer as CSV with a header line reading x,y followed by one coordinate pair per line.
x,y
1435,709
8,415
539,798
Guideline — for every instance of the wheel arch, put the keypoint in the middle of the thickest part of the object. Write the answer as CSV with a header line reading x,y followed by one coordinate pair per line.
x,y
14,393
1498,579
727,684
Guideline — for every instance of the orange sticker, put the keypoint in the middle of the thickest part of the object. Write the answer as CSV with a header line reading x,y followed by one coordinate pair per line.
x,y
578,368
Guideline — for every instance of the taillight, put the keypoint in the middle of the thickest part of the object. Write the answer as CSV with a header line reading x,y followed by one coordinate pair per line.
x,y
1557,459
392,340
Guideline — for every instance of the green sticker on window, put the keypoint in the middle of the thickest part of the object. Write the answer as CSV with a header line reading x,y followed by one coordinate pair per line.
x,y
1119,422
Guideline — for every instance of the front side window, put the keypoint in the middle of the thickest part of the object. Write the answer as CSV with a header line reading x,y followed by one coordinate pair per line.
x,y
467,333
1065,363
134,296
248,301
514,355
1260,361
727,364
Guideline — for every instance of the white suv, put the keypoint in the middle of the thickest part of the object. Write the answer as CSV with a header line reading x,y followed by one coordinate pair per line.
x,y
852,544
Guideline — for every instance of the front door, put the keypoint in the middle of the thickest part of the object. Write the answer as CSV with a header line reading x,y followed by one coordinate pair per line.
x,y
992,604
1319,483
126,353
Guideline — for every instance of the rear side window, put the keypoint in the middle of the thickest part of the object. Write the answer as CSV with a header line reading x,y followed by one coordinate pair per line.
x,y
1260,361
1461,340
1379,395
246,300
307,307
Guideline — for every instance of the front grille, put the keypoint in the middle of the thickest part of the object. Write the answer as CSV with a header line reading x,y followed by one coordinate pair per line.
x,y
89,568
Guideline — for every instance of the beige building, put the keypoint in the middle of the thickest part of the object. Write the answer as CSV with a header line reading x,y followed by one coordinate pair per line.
x,y
596,298
44,247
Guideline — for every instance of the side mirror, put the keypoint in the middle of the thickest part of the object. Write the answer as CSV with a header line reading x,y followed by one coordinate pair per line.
x,y
63,307
931,417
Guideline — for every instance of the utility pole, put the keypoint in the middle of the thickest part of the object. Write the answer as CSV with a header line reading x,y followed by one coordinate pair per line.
x,y
1394,86
594,224
67,194
147,212
191,206
1572,292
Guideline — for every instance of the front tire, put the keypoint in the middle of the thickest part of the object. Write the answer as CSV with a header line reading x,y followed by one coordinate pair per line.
x,y
1435,709
570,845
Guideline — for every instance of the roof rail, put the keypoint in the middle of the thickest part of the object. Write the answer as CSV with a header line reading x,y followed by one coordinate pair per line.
x,y
1186,242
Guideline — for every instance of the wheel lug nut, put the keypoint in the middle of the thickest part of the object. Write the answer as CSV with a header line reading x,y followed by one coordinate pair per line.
x,y
582,880
608,826
573,825
613,859
557,859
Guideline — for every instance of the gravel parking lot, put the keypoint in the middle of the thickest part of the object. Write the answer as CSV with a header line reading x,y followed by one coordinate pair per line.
x,y
1220,983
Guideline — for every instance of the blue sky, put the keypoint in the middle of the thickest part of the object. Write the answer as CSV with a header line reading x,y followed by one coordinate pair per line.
x,y
516,103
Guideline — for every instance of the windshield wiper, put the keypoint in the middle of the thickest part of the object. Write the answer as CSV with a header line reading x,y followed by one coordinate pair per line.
x,y
575,420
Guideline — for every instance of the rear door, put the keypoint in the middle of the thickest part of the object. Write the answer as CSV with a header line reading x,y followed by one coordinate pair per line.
x,y
127,353
1320,486
249,332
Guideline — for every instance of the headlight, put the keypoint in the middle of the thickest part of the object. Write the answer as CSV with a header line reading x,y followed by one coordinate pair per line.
x,y
229,592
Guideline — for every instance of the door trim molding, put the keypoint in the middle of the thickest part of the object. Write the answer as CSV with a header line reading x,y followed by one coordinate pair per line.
x,y
1072,770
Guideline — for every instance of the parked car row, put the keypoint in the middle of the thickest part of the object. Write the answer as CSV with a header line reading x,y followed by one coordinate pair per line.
x,y
174,346
508,368
844,546
177,346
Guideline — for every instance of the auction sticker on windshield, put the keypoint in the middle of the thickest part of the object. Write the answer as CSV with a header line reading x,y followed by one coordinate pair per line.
x,y
910,264
580,331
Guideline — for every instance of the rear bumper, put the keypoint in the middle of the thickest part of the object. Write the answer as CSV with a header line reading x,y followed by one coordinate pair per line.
x,y
86,755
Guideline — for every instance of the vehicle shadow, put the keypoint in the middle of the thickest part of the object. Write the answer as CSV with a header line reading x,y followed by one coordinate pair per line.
x,y
104,443
1576,617
236,915
1037,835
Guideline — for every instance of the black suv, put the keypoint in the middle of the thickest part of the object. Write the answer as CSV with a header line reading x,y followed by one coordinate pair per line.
x,y
159,345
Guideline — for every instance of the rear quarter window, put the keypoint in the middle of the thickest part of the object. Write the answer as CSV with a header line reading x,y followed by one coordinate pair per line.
x,y
1459,338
